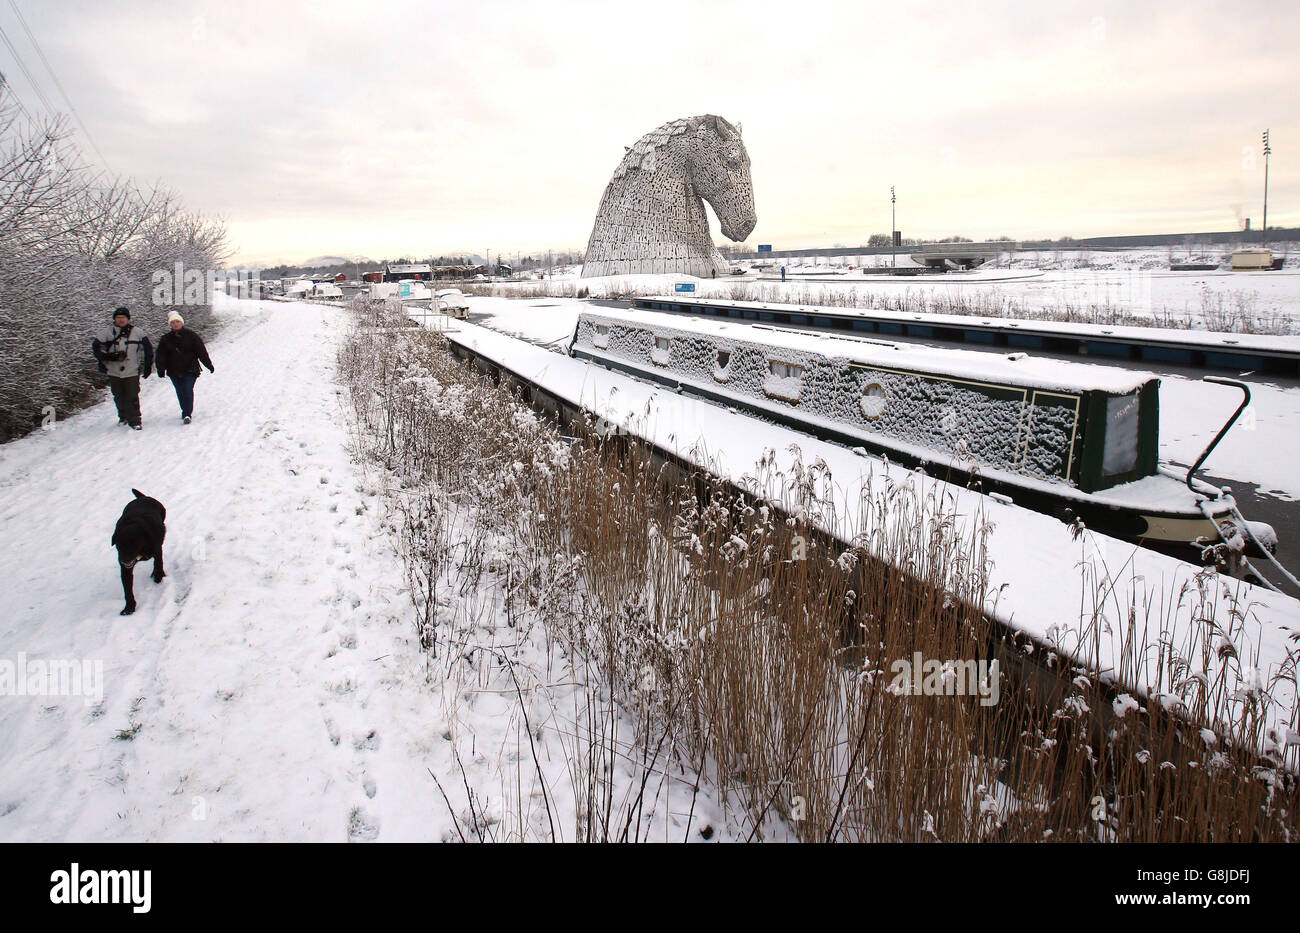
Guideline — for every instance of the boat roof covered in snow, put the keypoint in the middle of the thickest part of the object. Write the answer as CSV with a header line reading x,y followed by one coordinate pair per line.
x,y
1018,369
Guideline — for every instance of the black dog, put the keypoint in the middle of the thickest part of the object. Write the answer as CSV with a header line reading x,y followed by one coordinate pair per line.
x,y
139,536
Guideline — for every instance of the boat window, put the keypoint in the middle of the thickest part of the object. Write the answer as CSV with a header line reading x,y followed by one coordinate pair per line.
x,y
721,364
872,401
662,352
1120,453
784,370
784,380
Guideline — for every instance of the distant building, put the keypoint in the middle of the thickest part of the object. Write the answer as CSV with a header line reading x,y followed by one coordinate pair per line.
x,y
457,272
962,255
396,271
372,277
1254,259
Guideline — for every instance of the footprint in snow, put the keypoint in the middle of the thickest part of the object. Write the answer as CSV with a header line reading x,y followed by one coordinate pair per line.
x,y
361,826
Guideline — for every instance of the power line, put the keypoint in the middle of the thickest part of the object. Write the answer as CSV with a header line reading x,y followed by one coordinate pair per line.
x,y
30,80
5,82
55,78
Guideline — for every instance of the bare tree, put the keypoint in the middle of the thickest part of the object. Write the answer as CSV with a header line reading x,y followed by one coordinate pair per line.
x,y
73,245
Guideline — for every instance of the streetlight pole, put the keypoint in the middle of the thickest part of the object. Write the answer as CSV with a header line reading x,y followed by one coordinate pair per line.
x,y
1267,151
893,230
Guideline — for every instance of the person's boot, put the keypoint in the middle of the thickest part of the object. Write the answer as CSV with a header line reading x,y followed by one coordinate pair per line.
x,y
186,419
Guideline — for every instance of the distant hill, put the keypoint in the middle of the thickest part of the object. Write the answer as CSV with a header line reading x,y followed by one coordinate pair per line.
x,y
336,260
348,265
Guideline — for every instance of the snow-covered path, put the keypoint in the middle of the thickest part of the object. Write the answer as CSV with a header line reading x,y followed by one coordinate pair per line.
x,y
272,687
260,671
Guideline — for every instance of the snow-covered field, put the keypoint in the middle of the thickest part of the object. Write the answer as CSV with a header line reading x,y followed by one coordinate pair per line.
x,y
272,687
1128,282
1155,258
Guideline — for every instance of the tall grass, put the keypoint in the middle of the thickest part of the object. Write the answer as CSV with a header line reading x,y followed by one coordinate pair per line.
x,y
744,647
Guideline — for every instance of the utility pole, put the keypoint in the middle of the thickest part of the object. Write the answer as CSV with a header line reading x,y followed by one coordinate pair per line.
x,y
893,231
1267,151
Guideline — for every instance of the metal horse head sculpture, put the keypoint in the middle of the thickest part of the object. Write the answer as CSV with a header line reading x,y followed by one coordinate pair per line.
x,y
652,216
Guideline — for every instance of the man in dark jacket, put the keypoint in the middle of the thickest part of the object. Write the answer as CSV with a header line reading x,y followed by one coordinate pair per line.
x,y
125,358
179,353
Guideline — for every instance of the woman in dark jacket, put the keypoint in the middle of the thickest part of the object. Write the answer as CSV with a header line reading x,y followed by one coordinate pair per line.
x,y
178,356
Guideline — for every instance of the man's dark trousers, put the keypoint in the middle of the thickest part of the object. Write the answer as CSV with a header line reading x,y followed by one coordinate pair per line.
x,y
184,386
126,396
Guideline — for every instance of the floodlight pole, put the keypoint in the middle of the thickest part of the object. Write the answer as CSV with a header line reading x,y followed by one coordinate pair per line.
x,y
893,230
1267,151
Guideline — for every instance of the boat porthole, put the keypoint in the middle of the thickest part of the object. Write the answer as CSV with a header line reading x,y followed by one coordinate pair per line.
x,y
872,401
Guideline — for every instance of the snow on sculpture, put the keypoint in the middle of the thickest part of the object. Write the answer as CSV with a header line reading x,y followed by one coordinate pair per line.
x,y
652,217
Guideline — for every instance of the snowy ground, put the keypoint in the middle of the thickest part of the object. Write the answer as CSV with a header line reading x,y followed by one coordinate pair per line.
x,y
272,687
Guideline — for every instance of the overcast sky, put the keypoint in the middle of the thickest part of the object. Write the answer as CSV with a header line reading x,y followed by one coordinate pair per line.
x,y
423,128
